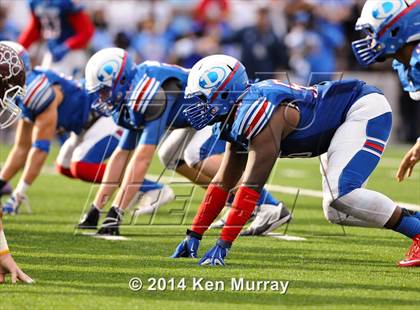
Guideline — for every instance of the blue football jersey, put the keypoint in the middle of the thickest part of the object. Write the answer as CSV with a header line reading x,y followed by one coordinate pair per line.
x,y
53,16
409,77
73,112
322,108
133,115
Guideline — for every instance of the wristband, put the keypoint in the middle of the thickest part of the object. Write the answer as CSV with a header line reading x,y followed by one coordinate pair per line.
x,y
193,234
42,145
4,248
242,207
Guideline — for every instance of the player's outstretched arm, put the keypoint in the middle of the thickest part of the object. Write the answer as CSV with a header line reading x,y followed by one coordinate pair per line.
x,y
409,161
262,155
227,177
7,264
17,156
134,175
43,132
112,176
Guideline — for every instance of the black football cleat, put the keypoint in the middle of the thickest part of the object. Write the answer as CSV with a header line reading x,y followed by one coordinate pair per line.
x,y
111,225
90,219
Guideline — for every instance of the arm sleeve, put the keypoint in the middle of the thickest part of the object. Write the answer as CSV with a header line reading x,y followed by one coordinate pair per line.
x,y
252,118
83,28
40,94
129,139
154,130
31,33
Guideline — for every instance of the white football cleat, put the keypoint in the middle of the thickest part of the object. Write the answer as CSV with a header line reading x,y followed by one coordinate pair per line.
x,y
222,221
154,199
268,218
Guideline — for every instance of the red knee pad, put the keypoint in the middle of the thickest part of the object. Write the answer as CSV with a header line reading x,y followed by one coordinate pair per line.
x,y
242,207
64,171
213,202
89,172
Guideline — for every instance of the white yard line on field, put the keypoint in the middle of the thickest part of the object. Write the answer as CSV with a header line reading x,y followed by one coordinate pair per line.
x,y
290,190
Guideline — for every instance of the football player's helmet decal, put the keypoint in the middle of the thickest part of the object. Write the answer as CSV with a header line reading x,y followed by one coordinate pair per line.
x,y
22,52
108,75
12,85
216,81
388,25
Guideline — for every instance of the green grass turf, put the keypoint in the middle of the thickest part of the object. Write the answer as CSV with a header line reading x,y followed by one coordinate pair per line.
x,y
328,270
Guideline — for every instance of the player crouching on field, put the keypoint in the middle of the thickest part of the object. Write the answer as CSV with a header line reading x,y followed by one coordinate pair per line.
x,y
348,120
392,31
197,155
12,86
146,99
54,102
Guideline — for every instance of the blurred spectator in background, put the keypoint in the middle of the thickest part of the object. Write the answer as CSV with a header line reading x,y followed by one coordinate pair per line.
x,y
410,118
67,30
102,37
302,43
326,21
262,52
8,30
149,43
122,40
213,13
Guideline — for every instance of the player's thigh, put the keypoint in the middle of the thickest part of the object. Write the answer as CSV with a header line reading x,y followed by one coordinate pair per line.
x,y
66,151
357,146
99,141
203,145
171,149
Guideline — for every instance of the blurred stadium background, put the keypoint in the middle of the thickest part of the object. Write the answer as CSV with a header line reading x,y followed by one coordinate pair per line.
x,y
273,38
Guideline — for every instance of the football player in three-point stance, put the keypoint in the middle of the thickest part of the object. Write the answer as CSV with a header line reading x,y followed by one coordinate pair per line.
x,y
12,86
54,102
392,31
146,99
269,119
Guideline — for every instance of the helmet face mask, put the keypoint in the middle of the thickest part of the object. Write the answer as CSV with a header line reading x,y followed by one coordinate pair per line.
x,y
12,84
388,26
368,49
103,101
9,111
202,113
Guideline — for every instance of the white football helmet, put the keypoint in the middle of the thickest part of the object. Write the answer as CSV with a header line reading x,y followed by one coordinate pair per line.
x,y
108,74
216,81
388,25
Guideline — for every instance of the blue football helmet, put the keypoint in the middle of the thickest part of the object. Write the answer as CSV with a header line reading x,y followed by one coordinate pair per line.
x,y
388,25
216,81
108,76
